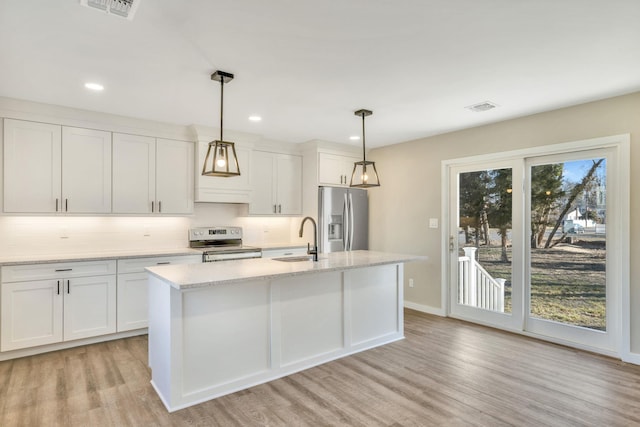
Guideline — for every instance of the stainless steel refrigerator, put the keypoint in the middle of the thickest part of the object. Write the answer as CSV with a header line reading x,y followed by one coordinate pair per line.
x,y
343,219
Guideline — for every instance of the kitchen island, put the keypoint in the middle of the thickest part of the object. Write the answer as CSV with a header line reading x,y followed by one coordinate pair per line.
x,y
217,328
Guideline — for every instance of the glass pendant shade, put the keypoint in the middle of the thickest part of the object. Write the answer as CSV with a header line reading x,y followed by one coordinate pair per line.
x,y
364,173
221,159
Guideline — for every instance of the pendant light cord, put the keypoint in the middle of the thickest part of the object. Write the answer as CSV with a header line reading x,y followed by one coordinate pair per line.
x,y
221,105
364,155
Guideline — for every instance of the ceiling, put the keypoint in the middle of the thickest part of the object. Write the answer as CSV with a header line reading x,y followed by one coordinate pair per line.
x,y
305,66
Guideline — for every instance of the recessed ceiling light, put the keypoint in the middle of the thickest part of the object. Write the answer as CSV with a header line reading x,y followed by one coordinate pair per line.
x,y
354,137
255,118
94,86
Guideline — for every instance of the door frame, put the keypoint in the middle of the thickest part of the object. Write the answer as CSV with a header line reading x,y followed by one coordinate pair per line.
x,y
621,146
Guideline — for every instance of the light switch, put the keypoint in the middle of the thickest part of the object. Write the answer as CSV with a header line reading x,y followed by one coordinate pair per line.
x,y
433,222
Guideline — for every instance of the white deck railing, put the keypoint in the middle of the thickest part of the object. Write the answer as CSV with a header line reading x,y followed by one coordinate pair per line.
x,y
476,287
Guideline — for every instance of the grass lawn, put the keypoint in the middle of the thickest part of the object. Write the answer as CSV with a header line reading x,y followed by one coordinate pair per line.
x,y
567,281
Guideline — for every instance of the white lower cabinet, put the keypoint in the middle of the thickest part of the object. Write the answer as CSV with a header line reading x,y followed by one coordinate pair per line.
x,y
31,314
133,304
133,290
89,307
50,303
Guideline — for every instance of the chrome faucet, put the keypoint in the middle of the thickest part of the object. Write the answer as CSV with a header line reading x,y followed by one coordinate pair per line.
x,y
313,252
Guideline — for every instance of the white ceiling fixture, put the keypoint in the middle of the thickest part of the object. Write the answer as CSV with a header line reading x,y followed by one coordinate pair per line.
x,y
123,8
96,87
255,118
483,106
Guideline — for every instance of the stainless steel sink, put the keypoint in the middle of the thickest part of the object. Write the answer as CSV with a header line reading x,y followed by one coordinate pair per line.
x,y
294,258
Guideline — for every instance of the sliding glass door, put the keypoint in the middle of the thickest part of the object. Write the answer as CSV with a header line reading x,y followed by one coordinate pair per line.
x,y
570,293
536,244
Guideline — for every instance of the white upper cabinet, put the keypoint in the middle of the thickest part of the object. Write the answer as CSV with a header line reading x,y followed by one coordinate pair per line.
x,y
86,170
134,173
152,175
289,184
32,166
334,169
174,176
276,184
50,168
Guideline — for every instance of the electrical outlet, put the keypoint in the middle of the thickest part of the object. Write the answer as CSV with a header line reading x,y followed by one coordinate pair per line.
x,y
411,283
63,233
433,222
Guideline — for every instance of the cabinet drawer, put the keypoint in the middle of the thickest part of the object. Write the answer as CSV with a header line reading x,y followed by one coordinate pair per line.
x,y
59,270
137,265
273,253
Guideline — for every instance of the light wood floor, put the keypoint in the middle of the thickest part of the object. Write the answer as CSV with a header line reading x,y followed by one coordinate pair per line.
x,y
445,373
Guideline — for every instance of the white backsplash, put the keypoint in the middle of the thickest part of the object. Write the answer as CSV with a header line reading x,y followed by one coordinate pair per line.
x,y
24,235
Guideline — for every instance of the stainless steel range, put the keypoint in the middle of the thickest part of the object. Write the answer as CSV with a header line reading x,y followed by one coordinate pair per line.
x,y
221,244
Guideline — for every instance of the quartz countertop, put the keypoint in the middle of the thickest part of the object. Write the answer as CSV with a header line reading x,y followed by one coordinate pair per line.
x,y
188,276
92,256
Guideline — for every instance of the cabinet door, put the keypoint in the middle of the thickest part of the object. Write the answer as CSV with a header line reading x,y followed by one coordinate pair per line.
x,y
32,162
289,184
174,176
31,314
133,301
86,170
134,173
335,169
263,184
89,307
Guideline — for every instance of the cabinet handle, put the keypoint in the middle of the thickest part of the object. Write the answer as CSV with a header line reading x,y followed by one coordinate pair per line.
x,y
66,205
58,287
341,179
152,206
159,206
68,286
64,269
279,208
56,204
163,263
275,209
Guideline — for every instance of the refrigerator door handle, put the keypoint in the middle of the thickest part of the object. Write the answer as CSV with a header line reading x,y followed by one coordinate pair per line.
x,y
351,221
345,223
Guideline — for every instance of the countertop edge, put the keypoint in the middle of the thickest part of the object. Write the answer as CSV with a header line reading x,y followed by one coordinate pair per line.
x,y
97,256
183,286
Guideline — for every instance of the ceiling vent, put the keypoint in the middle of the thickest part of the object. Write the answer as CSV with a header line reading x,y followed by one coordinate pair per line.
x,y
123,8
483,106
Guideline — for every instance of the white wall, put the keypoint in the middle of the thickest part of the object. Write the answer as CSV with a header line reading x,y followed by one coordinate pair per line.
x,y
411,185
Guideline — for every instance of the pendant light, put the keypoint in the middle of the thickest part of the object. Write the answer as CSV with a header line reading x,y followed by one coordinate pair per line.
x,y
221,159
364,174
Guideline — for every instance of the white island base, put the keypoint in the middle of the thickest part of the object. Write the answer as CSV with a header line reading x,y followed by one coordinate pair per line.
x,y
206,341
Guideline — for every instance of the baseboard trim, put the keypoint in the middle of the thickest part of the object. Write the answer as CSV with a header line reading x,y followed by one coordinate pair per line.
x,y
425,308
